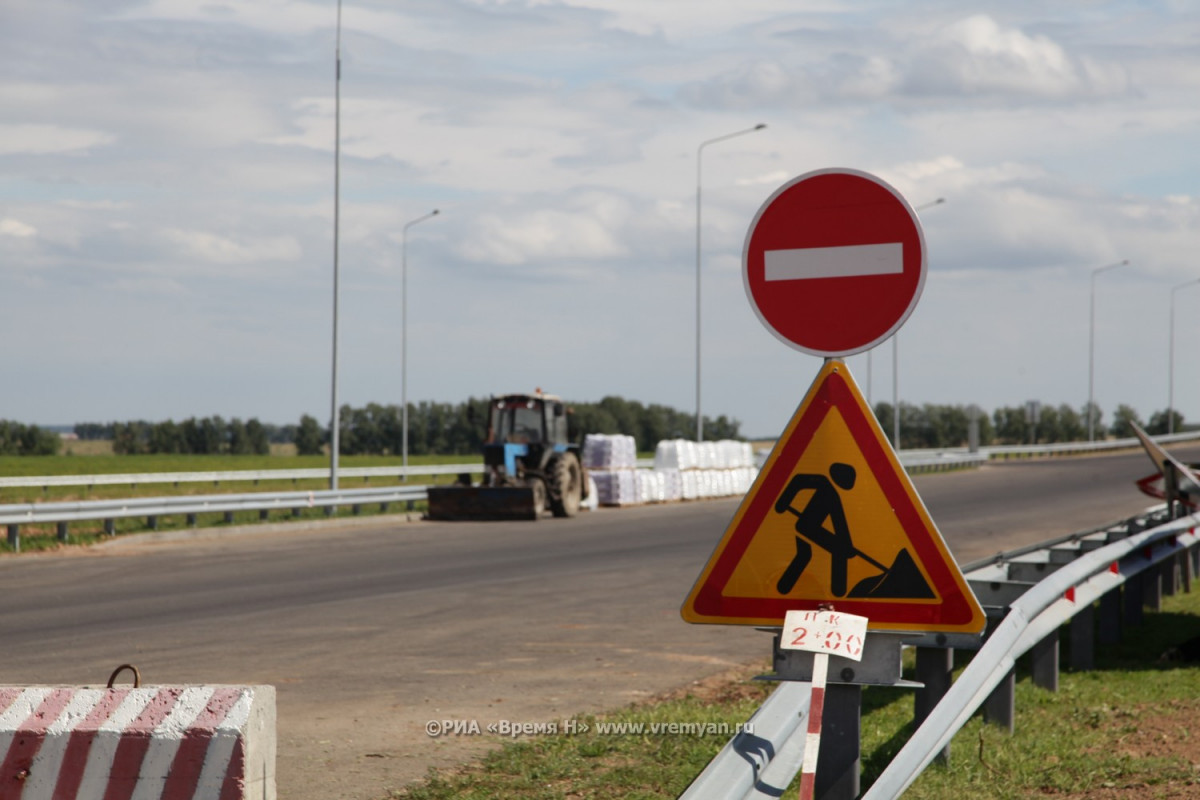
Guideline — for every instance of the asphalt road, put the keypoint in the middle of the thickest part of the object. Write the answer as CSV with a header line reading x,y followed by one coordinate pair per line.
x,y
369,631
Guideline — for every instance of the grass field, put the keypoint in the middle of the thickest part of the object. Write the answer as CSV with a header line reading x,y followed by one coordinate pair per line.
x,y
1124,730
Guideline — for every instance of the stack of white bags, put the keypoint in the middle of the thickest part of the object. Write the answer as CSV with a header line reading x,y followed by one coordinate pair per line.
x,y
605,451
706,469
611,460
683,470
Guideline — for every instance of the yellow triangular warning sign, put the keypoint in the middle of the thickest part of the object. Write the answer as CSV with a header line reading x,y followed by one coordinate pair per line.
x,y
833,518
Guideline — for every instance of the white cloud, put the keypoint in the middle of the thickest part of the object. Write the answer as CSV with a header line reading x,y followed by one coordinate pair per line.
x,y
977,55
218,249
35,139
16,228
587,230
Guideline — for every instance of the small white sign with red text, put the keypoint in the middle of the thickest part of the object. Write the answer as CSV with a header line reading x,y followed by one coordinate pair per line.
x,y
829,632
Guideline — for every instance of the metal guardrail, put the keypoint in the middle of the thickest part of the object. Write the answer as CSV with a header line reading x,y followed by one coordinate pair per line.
x,y
917,460
233,476
255,476
764,759
940,461
1038,613
13,516
1074,573
1075,448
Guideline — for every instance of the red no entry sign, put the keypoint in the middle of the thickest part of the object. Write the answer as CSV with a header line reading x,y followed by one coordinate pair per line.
x,y
834,262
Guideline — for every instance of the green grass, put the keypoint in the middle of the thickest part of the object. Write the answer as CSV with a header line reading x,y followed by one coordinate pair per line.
x,y
44,537
1124,729
20,466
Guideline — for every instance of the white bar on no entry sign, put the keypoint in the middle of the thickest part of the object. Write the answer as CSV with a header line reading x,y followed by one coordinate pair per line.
x,y
834,262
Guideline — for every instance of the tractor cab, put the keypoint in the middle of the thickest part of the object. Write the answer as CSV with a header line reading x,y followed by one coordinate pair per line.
x,y
523,432
526,419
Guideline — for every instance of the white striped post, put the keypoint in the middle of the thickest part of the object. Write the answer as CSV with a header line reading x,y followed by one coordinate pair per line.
x,y
812,744
822,632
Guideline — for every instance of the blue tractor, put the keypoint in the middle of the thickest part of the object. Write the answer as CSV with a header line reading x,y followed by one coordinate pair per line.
x,y
529,466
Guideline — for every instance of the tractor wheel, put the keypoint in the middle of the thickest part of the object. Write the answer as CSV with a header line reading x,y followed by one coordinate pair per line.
x,y
539,496
565,480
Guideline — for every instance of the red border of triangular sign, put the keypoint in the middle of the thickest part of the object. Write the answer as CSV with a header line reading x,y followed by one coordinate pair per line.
x,y
958,610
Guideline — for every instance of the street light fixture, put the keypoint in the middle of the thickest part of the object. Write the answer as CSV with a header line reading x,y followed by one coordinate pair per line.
x,y
404,335
896,359
1092,348
699,153
1171,366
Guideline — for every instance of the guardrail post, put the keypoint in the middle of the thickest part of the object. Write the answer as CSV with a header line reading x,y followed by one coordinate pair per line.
x,y
1000,708
1170,576
152,522
1110,617
228,517
62,531
838,762
263,514
110,527
1185,569
935,669
191,520
1044,667
1152,589
14,538
1132,598
1083,638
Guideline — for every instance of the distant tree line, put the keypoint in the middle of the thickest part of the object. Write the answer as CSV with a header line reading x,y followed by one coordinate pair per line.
x,y
935,426
433,428
17,439
459,428
207,436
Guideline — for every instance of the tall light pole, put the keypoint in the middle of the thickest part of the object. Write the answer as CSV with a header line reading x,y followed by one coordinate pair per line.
x,y
896,359
1171,358
335,422
1092,348
404,335
699,153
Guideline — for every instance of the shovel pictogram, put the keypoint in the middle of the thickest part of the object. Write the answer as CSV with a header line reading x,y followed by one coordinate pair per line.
x,y
903,579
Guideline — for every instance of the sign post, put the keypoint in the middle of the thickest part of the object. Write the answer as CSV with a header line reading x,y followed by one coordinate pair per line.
x,y
821,632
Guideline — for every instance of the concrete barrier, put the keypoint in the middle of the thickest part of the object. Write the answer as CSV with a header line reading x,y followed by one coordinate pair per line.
x,y
125,743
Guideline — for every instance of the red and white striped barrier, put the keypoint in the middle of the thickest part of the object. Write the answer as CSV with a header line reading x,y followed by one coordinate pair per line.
x,y
123,743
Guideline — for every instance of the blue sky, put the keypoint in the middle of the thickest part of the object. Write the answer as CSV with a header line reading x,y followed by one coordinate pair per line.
x,y
166,198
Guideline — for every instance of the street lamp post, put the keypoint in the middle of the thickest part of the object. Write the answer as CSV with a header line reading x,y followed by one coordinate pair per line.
x,y
404,336
1171,358
1092,348
335,422
896,359
699,153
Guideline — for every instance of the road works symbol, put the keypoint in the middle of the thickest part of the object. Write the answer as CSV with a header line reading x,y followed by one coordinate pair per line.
x,y
833,517
901,579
